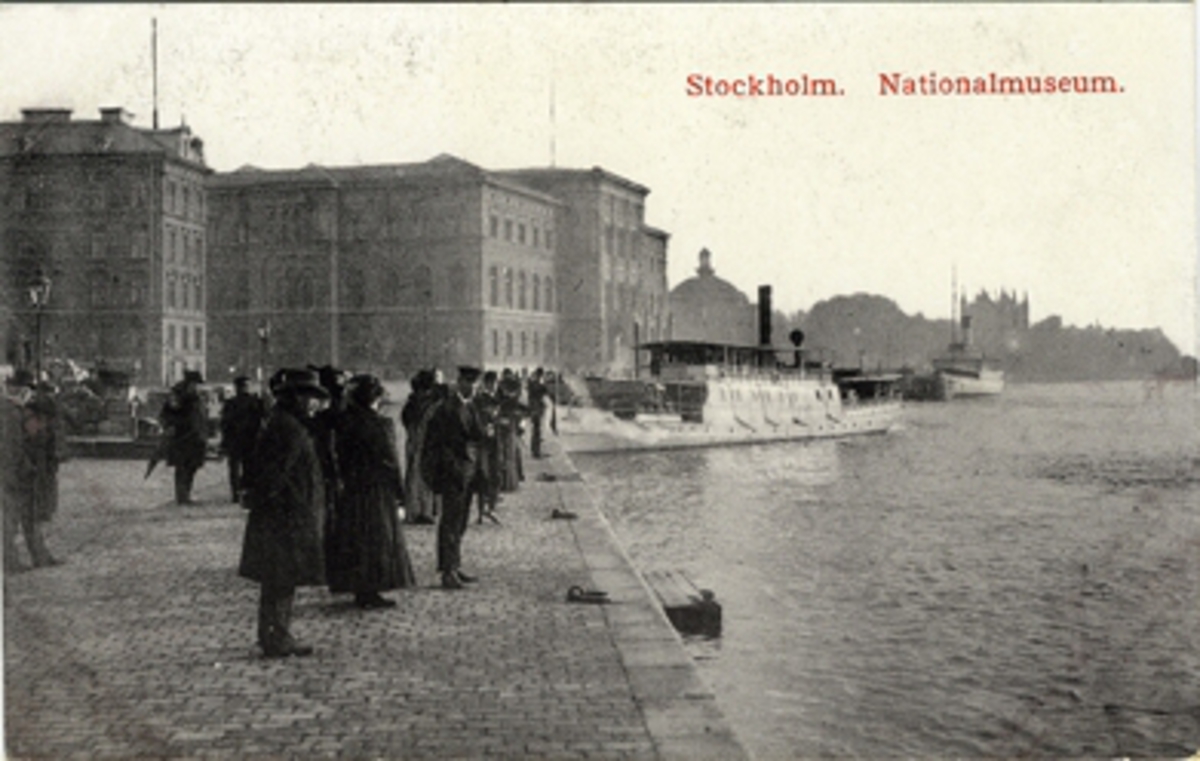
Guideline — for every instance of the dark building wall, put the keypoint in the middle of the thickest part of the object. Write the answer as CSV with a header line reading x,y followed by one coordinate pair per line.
x,y
412,251
85,202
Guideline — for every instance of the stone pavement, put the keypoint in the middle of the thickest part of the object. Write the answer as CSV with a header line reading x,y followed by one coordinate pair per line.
x,y
143,643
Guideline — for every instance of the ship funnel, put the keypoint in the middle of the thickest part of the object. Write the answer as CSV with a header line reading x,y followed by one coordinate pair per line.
x,y
764,315
966,330
764,323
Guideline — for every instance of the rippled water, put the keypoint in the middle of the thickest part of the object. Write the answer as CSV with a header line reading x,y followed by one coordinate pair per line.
x,y
1011,577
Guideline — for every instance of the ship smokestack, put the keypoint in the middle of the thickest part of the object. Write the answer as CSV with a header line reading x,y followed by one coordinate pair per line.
x,y
764,321
764,315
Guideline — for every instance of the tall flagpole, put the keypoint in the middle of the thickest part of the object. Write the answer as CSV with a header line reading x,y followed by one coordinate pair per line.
x,y
154,64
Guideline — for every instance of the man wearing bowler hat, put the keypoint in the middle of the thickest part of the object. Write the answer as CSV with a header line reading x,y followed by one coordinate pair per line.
x,y
453,444
284,543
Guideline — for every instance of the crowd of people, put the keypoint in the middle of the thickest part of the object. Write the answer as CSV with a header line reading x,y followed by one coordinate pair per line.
x,y
315,462
319,470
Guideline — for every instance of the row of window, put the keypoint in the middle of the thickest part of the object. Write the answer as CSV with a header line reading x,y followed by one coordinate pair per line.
x,y
185,292
627,298
184,246
106,291
184,200
531,345
113,245
518,232
40,193
196,342
529,291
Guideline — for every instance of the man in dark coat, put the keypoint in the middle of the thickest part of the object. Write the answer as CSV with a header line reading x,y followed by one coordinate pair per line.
x,y
30,445
487,480
365,549
283,547
185,423
537,393
451,456
241,418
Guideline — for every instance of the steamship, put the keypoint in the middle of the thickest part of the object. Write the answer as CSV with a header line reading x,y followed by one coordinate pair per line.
x,y
964,372
699,394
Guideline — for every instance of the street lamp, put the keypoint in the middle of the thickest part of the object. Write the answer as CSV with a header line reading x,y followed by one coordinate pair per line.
x,y
39,296
264,338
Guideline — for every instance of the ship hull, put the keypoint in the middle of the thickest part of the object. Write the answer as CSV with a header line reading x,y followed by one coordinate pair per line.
x,y
734,413
985,383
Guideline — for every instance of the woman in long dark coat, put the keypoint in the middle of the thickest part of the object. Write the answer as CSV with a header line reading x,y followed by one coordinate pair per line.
x,y
283,548
366,553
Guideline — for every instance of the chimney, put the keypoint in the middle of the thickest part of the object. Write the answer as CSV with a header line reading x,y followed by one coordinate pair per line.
x,y
115,115
966,330
46,115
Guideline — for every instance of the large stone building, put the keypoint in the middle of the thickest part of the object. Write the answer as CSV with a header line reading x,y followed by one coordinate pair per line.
x,y
113,215
709,308
436,263
384,268
612,267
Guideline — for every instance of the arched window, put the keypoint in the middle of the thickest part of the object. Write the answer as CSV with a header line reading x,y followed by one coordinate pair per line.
x,y
537,293
493,285
549,294
521,291
524,343
508,288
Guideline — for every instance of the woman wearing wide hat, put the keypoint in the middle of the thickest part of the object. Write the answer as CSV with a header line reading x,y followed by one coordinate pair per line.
x,y
365,550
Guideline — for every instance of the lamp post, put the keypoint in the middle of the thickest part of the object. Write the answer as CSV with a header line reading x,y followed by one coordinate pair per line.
x,y
39,296
264,338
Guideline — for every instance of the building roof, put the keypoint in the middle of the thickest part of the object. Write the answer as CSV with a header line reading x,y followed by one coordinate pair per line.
x,y
441,166
596,173
655,232
53,132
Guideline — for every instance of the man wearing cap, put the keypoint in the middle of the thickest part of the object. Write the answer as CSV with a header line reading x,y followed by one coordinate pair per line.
x,y
283,548
453,443
241,418
185,422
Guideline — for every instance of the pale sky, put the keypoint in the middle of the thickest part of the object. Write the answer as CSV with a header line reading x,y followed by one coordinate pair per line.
x,y
1086,202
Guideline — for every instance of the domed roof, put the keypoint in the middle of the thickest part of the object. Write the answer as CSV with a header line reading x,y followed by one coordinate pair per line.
x,y
709,308
707,286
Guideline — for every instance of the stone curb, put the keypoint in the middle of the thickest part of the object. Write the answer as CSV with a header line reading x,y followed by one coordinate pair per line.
x,y
680,710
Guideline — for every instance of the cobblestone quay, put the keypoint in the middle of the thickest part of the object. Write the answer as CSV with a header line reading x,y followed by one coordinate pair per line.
x,y
143,643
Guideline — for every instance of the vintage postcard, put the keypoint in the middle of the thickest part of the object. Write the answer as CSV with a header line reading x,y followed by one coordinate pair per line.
x,y
617,380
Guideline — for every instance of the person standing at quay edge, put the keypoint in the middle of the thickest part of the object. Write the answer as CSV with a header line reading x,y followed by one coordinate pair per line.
x,y
453,443
537,393
283,546
241,418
